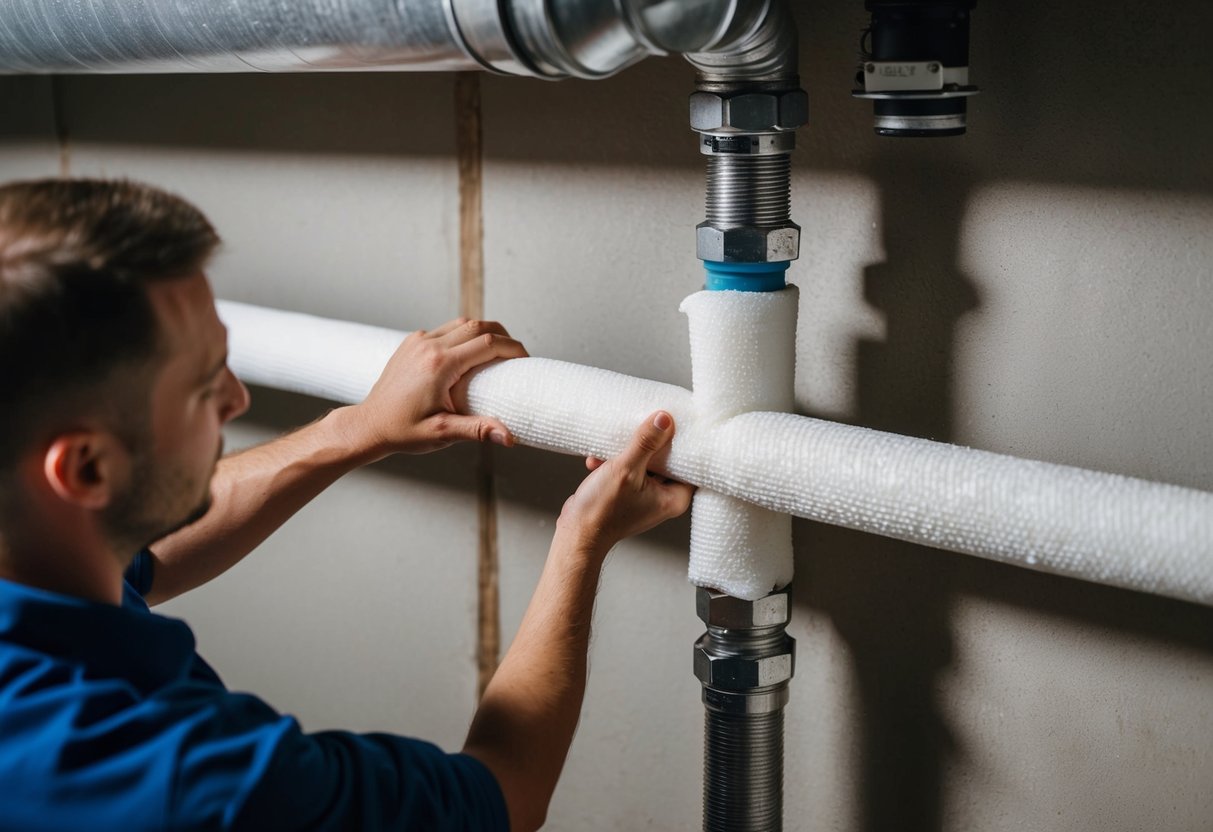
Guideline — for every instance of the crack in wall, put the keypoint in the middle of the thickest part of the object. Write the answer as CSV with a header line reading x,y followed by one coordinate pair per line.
x,y
470,151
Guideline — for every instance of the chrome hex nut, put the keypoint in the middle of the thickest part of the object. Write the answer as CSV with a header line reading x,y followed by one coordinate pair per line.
x,y
747,244
728,613
707,111
793,109
742,672
750,112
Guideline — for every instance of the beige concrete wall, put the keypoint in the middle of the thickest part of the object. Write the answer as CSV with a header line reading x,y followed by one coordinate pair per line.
x,y
29,136
1041,287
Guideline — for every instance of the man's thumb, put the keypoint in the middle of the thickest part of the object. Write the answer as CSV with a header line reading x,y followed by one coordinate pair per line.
x,y
479,429
653,435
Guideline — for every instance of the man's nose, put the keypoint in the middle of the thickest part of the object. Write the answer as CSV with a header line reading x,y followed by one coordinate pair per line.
x,y
237,399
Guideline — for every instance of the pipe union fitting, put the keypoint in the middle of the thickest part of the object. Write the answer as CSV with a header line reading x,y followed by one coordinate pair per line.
x,y
742,672
750,112
725,612
735,703
747,244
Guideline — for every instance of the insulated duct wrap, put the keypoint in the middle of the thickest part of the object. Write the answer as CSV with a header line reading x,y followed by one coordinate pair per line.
x,y
1100,527
743,358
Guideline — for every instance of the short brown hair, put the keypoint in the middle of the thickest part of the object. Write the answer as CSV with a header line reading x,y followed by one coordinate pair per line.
x,y
75,256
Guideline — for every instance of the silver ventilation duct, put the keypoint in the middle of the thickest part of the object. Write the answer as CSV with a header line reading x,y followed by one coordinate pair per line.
x,y
539,38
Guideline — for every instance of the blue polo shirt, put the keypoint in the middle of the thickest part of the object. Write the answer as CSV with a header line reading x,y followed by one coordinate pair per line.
x,y
110,720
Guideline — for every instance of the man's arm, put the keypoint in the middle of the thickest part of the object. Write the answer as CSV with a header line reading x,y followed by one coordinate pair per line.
x,y
525,723
410,409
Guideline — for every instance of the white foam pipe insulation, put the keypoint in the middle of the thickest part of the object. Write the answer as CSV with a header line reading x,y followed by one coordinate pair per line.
x,y
1100,527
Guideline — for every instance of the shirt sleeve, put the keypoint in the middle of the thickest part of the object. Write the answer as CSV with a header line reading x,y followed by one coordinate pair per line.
x,y
337,780
193,759
248,768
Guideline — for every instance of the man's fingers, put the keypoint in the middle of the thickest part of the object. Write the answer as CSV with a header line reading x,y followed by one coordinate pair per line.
x,y
470,331
593,463
454,428
483,349
653,435
448,327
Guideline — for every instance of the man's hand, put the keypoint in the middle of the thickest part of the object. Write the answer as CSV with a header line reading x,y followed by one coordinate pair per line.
x,y
621,498
411,408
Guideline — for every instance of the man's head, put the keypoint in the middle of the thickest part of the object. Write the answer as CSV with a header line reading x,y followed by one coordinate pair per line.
x,y
112,359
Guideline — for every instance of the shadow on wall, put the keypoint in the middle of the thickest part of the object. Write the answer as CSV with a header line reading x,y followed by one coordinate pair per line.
x,y
888,600
1048,112
892,602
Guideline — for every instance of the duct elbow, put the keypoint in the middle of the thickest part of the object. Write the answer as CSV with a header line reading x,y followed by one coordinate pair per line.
x,y
760,48
728,41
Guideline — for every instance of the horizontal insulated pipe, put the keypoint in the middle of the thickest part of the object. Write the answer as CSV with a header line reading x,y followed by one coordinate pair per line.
x,y
578,38
1100,527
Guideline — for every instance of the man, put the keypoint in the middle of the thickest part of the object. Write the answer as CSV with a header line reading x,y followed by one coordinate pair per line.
x,y
115,383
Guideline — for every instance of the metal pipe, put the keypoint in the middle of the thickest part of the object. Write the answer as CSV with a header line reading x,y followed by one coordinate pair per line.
x,y
746,108
539,38
744,661
742,771
148,36
749,190
759,49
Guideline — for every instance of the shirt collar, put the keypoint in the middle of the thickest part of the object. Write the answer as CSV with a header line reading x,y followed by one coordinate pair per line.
x,y
105,641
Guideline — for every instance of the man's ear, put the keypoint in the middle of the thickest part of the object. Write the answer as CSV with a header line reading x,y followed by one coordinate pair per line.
x,y
85,467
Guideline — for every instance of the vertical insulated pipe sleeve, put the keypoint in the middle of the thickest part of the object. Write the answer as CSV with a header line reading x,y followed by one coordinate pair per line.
x,y
743,358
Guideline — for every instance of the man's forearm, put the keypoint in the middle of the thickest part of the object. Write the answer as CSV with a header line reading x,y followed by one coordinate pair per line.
x,y
525,723
255,491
